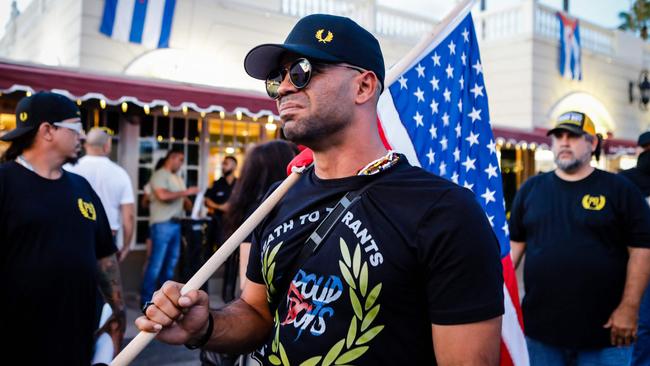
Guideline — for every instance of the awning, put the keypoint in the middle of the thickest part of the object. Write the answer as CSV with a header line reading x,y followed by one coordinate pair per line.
x,y
519,137
115,89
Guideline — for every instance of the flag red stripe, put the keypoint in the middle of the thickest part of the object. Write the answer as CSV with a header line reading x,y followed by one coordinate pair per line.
x,y
510,281
505,356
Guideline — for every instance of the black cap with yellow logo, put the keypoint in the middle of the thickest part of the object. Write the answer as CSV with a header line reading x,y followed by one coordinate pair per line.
x,y
574,122
320,37
42,107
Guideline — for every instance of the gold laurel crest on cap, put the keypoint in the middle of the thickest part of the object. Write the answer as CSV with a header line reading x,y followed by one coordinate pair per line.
x,y
328,38
23,116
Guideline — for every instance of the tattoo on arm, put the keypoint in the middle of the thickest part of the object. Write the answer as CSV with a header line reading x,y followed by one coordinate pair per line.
x,y
110,284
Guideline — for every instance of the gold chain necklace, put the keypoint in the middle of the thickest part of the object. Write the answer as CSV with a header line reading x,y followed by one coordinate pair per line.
x,y
390,159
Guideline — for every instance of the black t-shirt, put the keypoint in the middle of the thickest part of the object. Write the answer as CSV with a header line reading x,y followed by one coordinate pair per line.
x,y
51,234
640,175
414,250
219,192
576,236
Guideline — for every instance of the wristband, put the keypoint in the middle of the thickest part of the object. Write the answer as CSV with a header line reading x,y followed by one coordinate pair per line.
x,y
206,337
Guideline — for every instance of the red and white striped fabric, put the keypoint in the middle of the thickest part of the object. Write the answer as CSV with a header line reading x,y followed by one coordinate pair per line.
x,y
434,110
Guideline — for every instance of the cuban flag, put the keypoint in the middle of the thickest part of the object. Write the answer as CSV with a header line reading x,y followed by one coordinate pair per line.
x,y
570,53
147,22
435,111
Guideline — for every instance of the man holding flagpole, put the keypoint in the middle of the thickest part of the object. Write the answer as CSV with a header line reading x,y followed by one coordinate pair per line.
x,y
400,266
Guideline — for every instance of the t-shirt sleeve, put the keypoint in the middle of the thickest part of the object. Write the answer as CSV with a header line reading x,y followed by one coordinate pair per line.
x,y
461,261
104,245
515,223
637,216
254,268
127,190
159,180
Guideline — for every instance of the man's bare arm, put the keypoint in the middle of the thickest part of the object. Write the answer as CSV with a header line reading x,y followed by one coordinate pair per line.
x,y
468,344
165,195
517,249
110,285
624,319
252,310
128,222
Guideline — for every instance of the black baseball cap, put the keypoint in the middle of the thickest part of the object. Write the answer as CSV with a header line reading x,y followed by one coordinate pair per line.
x,y
42,107
644,139
320,37
574,122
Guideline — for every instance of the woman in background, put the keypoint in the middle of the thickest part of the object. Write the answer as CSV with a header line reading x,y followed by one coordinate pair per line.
x,y
264,165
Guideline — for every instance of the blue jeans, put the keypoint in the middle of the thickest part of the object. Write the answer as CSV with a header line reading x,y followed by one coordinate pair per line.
x,y
165,251
542,354
641,354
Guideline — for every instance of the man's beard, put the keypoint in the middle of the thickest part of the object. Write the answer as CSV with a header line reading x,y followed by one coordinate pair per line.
x,y
573,164
315,132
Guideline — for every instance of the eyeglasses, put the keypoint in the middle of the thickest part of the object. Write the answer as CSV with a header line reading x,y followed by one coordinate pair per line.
x,y
71,124
300,72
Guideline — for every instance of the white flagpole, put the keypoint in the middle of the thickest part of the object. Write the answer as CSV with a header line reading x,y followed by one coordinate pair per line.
x,y
131,351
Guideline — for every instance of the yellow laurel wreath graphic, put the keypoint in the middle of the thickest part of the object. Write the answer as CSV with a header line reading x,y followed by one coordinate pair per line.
x,y
360,332
87,209
268,270
328,38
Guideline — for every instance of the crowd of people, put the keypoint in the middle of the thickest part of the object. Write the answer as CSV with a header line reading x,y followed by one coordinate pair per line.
x,y
366,260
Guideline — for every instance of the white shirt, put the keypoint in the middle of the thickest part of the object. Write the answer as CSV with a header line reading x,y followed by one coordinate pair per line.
x,y
110,181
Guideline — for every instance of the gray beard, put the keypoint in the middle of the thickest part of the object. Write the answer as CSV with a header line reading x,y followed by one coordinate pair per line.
x,y
570,166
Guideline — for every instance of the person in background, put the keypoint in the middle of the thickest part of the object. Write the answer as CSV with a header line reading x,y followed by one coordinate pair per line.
x,y
168,198
57,245
640,176
113,186
111,183
264,165
215,200
586,235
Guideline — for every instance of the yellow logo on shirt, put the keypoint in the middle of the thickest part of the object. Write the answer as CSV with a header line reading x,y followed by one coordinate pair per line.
x,y
594,203
87,209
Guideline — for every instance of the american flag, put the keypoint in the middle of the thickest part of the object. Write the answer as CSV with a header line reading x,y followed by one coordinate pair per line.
x,y
436,113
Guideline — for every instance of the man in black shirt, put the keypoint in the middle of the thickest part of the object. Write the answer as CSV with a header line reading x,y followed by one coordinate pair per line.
x,y
586,234
57,245
409,275
216,198
640,176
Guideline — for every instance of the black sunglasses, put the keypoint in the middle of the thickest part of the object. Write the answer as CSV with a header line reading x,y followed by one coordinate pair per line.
x,y
300,72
